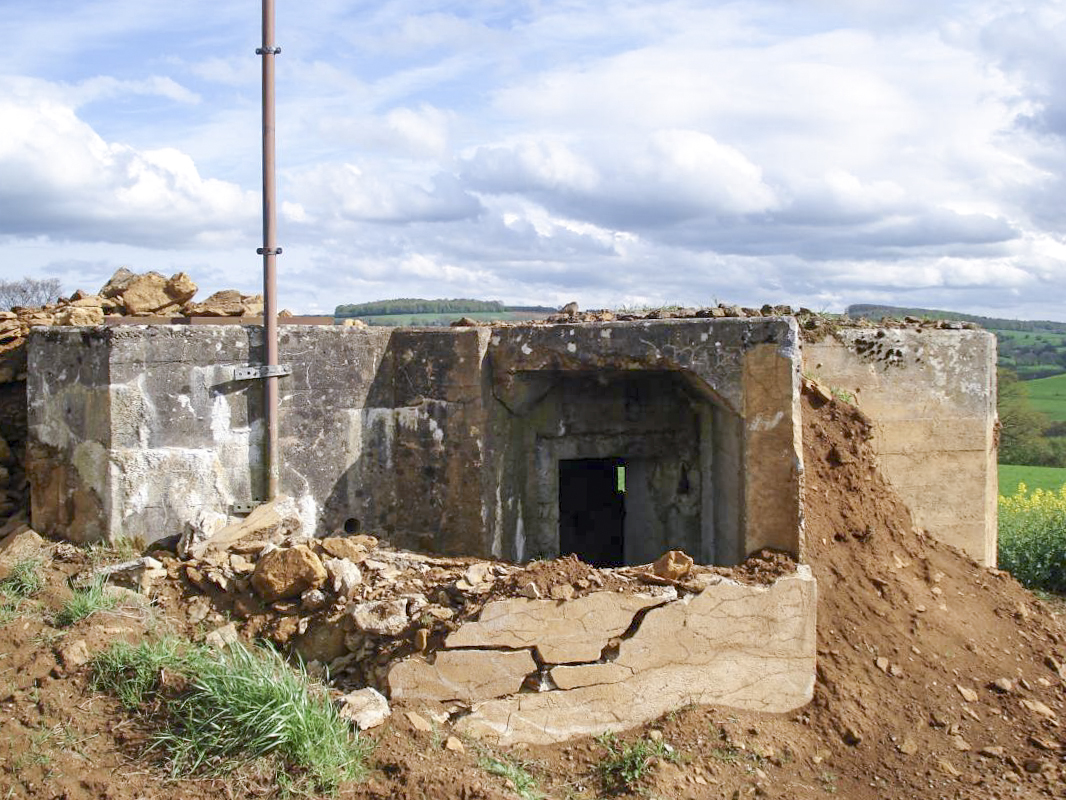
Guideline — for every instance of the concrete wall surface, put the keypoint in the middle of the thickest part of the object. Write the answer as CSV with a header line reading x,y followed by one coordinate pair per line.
x,y
931,395
699,648
445,440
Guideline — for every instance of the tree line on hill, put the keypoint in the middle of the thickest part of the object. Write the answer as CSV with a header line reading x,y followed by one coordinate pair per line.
x,y
415,305
991,323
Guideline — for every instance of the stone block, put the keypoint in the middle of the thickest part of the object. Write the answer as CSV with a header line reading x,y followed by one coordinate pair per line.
x,y
748,647
561,632
465,675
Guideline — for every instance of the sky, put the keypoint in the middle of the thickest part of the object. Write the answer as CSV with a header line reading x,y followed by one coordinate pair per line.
x,y
618,154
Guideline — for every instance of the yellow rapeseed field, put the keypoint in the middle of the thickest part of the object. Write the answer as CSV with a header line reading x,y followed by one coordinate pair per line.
x,y
1032,537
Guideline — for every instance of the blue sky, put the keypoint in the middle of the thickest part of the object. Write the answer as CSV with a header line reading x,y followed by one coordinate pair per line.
x,y
613,153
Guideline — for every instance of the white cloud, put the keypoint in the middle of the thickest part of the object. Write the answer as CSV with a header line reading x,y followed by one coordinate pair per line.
x,y
60,179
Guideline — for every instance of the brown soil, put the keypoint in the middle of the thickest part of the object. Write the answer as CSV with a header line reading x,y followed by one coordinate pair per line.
x,y
912,635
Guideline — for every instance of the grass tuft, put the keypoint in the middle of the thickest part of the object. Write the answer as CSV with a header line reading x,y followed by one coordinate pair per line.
x,y
517,772
85,601
627,763
24,580
217,709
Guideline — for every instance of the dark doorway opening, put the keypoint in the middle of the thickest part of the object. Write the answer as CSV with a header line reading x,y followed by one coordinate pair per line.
x,y
592,510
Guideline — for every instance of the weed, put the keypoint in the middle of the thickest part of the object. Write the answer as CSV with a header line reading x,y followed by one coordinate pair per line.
x,y
843,396
517,772
24,579
218,708
121,549
84,602
829,782
626,764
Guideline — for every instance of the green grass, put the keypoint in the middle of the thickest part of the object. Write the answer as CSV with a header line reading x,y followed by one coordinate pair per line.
x,y
627,762
22,583
1049,396
85,601
218,712
1048,478
517,772
24,580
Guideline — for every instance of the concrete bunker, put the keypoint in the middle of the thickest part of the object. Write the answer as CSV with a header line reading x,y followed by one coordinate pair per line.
x,y
615,441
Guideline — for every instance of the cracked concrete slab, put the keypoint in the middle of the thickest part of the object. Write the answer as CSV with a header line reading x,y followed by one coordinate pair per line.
x,y
749,647
561,631
467,675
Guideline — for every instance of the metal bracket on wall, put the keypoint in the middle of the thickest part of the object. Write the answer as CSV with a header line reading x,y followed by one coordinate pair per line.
x,y
261,371
246,507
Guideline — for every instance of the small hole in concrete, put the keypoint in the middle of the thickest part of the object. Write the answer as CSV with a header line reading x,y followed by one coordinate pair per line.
x,y
351,525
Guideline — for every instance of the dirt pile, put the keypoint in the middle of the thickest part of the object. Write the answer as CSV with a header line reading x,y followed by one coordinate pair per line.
x,y
936,670
937,678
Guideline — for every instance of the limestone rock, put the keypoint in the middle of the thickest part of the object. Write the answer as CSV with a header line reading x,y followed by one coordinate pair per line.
x,y
202,527
673,565
466,675
343,547
968,694
1038,707
274,520
313,600
701,651
287,572
568,632
381,617
454,744
322,643
365,708
73,654
77,315
222,637
140,573
227,303
151,292
21,544
344,576
418,722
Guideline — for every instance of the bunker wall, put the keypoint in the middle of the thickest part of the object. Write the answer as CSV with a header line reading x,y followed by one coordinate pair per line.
x,y
931,395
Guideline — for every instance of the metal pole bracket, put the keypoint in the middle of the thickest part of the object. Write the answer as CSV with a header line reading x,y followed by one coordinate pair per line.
x,y
261,371
268,51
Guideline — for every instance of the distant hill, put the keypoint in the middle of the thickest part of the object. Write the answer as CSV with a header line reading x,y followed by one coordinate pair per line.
x,y
1032,348
991,323
418,311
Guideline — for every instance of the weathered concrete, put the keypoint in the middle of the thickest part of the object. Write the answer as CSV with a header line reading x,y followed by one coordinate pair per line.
x,y
442,440
931,395
750,647
579,634
467,675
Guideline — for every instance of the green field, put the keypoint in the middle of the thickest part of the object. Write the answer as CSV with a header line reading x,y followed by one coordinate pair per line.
x,y
447,319
1052,478
1049,396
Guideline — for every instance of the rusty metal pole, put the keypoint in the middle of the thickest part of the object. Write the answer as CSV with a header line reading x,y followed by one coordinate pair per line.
x,y
270,250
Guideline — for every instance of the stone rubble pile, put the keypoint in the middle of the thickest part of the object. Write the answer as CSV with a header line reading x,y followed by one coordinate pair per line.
x,y
458,632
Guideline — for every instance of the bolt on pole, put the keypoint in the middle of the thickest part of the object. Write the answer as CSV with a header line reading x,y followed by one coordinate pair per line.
x,y
270,250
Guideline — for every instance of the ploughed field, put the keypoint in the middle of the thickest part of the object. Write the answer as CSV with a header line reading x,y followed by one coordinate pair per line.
x,y
936,678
